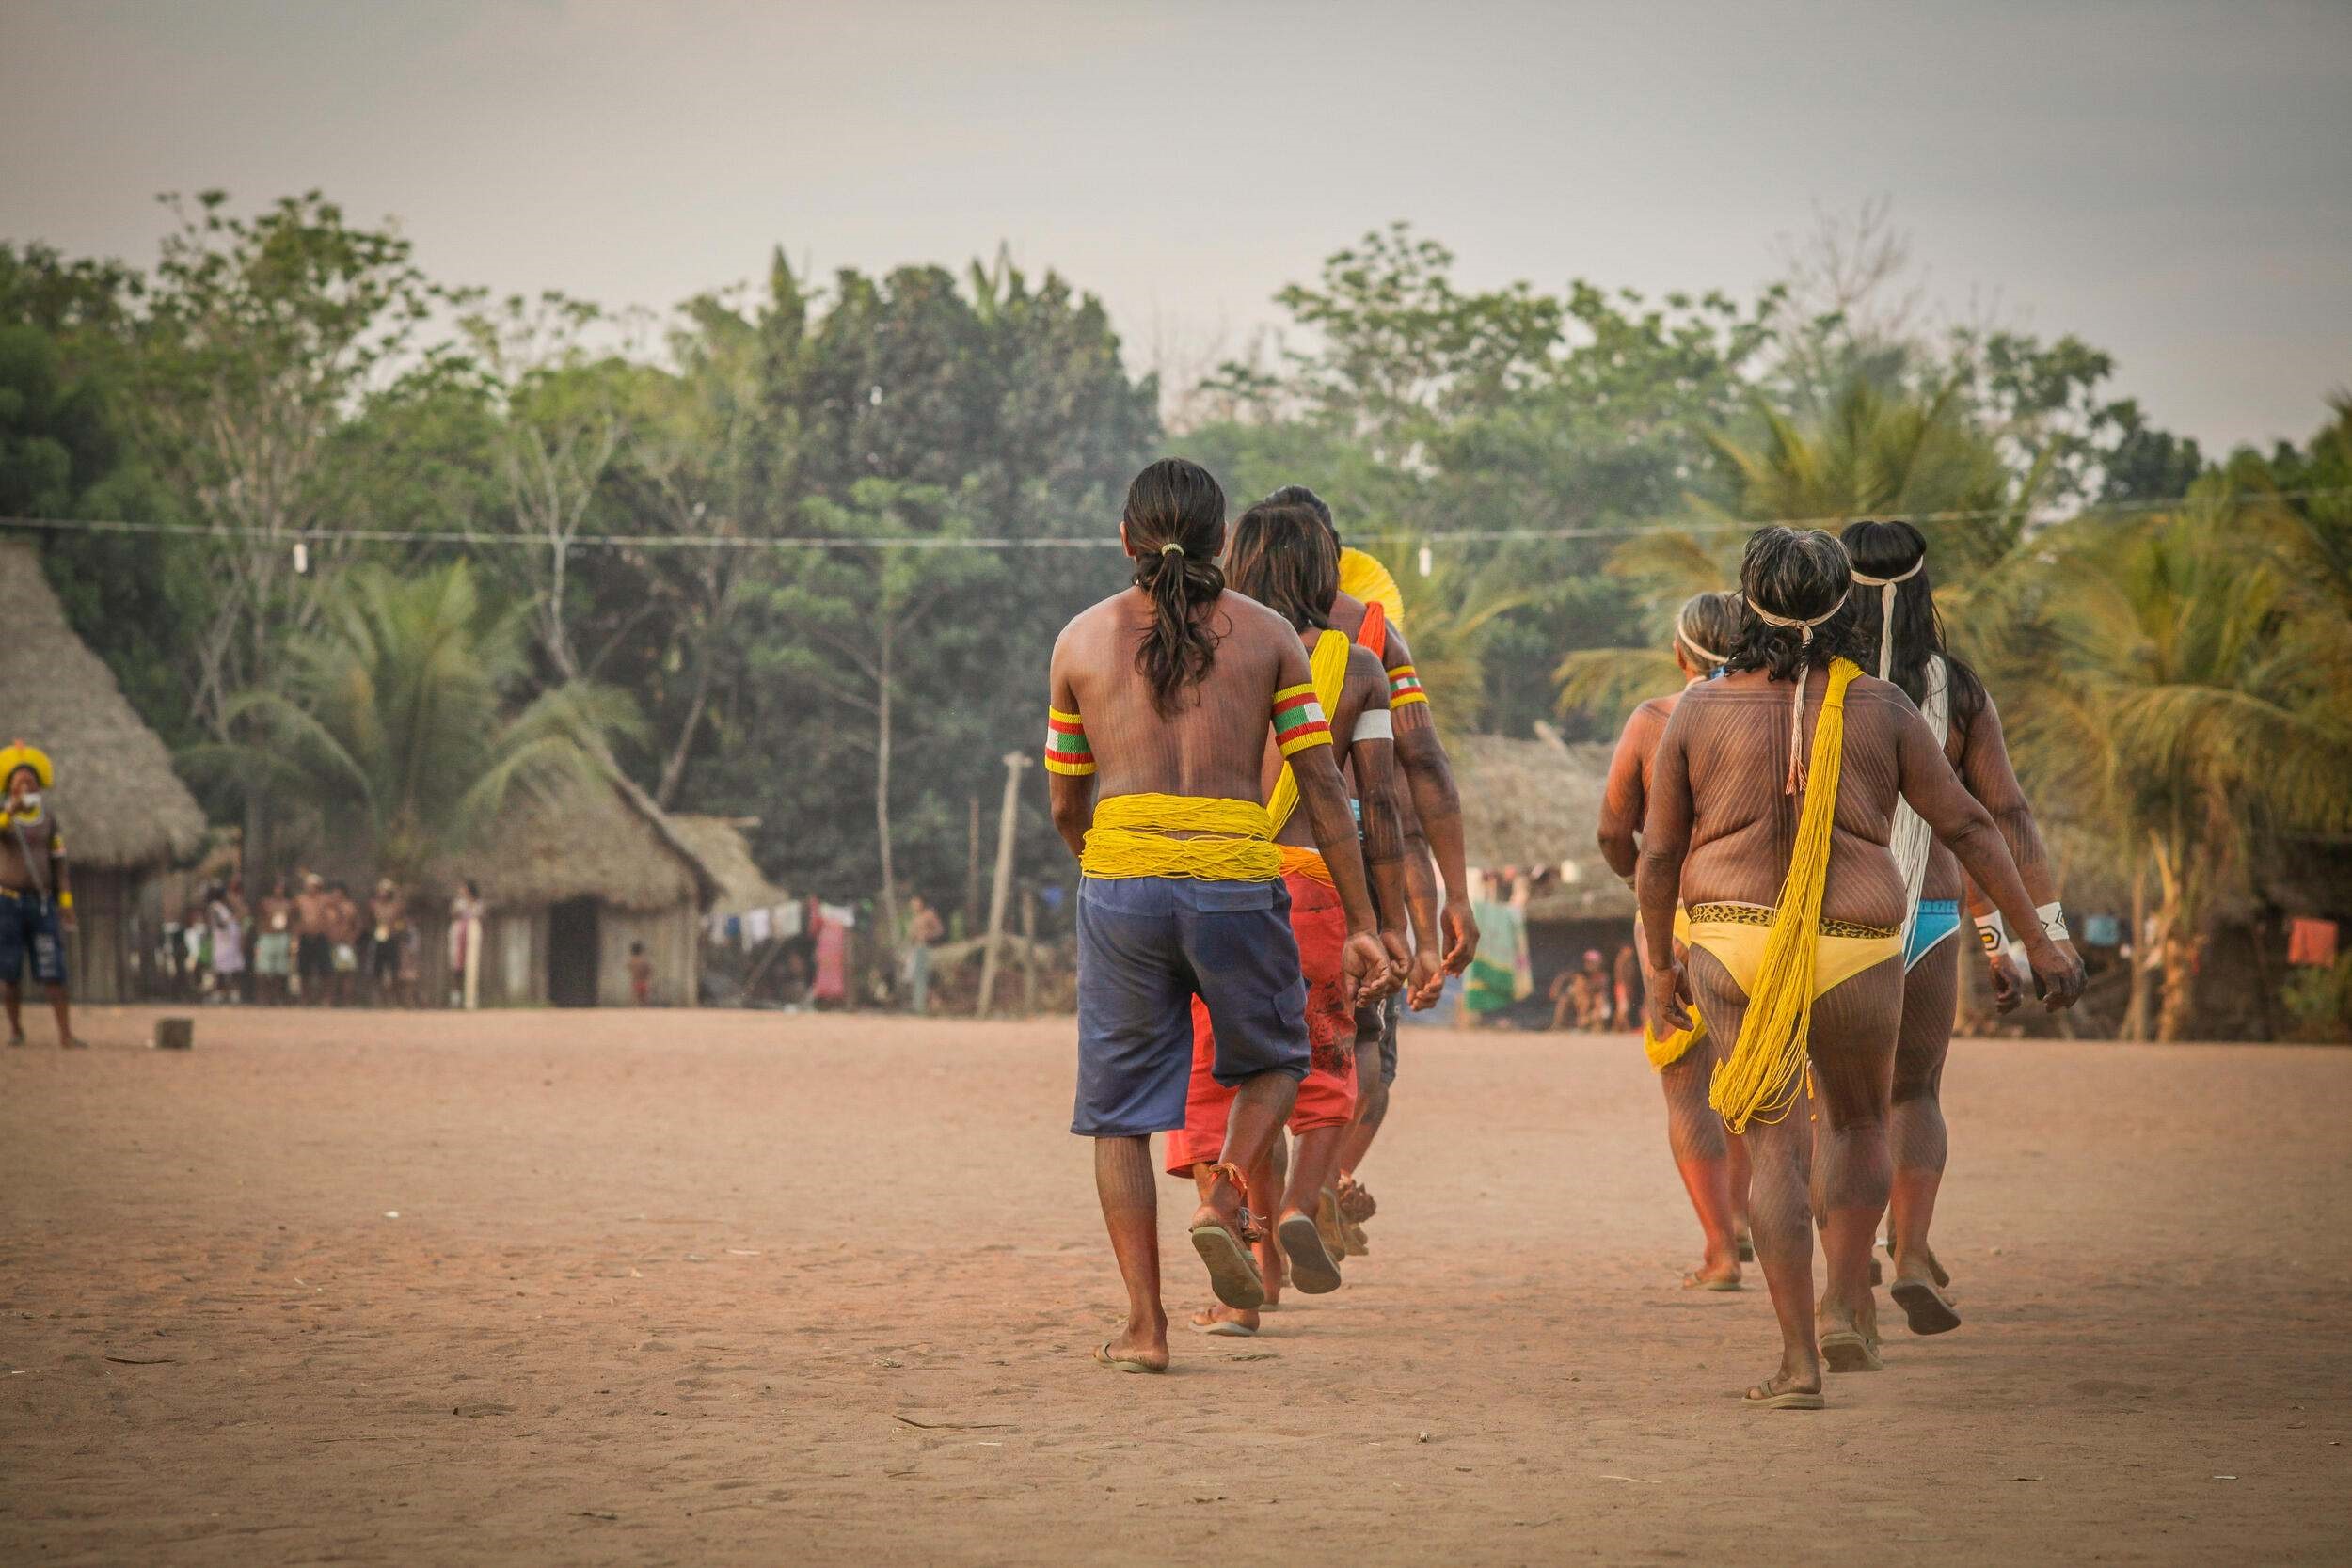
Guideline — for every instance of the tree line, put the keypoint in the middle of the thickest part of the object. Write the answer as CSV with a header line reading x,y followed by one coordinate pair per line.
x,y
433,548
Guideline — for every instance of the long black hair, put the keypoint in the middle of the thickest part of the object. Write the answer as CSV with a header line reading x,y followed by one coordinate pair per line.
x,y
1798,575
1175,522
1889,550
1706,626
1298,494
1284,558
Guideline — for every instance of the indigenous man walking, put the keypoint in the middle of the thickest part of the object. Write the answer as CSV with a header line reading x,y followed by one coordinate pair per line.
x,y
1775,841
36,898
1430,810
1160,698
1282,558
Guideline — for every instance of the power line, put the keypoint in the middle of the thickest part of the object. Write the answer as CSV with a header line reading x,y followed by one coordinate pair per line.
x,y
474,538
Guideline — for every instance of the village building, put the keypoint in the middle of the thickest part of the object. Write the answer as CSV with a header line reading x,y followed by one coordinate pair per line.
x,y
126,813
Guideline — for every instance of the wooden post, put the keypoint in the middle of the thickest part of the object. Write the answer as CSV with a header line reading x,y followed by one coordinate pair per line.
x,y
1002,891
972,874
1028,952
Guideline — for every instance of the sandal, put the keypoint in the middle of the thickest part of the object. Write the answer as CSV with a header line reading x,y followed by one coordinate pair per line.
x,y
1225,1249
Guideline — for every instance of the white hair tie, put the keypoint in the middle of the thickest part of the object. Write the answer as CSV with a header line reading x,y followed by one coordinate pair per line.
x,y
1886,611
1803,629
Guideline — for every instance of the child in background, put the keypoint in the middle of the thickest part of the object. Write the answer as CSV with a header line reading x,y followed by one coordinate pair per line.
x,y
640,974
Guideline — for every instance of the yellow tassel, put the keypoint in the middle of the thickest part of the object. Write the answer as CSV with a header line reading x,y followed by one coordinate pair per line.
x,y
1328,668
1667,1052
1130,838
1764,1074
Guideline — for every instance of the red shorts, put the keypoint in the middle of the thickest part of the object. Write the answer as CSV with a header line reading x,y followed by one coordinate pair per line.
x,y
1326,1097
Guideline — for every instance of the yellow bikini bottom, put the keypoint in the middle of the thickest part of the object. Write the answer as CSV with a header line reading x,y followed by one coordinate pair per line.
x,y
1736,933
1667,1052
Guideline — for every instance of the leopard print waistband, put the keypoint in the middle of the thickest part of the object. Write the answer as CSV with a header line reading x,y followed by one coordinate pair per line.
x,y
1756,914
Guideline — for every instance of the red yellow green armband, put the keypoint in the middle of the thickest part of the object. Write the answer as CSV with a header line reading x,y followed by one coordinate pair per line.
x,y
1066,747
1298,721
1404,687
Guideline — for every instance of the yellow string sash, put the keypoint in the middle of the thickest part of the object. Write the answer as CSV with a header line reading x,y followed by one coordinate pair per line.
x,y
1764,1074
1131,838
1298,860
1328,668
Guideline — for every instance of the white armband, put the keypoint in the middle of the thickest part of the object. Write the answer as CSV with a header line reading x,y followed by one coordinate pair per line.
x,y
2053,918
1374,723
1993,936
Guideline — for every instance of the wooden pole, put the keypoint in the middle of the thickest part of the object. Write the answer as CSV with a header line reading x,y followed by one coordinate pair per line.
x,y
972,875
1028,952
998,895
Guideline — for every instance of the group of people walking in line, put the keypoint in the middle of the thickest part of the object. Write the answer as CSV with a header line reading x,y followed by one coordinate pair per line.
x,y
1244,762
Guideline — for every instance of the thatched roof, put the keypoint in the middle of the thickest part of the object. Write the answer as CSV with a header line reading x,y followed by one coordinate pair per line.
x,y
121,804
1537,803
720,845
608,842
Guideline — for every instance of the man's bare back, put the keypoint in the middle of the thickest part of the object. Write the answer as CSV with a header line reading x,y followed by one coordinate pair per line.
x,y
1212,743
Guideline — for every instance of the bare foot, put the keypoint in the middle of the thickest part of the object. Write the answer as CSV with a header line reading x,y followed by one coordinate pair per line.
x,y
1225,1321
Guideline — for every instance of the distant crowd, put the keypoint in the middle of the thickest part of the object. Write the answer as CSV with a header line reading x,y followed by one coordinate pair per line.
x,y
306,941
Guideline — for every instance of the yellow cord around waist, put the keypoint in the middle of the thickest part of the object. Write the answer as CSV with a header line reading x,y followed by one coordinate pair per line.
x,y
1131,837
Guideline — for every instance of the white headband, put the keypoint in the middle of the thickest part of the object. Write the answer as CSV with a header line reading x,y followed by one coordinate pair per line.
x,y
1886,611
1707,655
1796,708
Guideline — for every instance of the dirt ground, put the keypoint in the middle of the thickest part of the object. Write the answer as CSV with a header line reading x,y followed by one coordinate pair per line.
x,y
636,1287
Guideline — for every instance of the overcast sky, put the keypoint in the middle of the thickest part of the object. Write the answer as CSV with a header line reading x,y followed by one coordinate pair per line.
x,y
2171,182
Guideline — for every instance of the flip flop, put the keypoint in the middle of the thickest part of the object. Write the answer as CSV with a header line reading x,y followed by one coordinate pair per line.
x,y
1311,1268
1359,1244
1848,1350
1929,1310
1327,1224
1231,1273
1789,1400
1691,1281
1223,1328
1747,1247
1102,1356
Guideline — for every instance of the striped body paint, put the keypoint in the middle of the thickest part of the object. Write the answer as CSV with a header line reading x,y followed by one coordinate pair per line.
x,y
1298,721
1066,747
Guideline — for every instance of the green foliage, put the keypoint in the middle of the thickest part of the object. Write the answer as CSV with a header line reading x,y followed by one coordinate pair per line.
x,y
401,720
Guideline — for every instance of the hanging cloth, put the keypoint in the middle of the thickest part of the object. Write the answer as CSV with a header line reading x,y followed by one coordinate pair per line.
x,y
1913,839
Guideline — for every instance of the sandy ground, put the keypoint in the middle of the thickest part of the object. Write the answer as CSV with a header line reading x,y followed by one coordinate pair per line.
x,y
652,1287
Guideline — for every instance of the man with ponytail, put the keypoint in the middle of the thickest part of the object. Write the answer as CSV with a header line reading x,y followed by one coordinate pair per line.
x,y
1714,1167
1284,560
1896,624
1162,699
1771,805
1430,809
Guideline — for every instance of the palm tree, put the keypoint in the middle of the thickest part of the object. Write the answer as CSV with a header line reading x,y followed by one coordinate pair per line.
x,y
2181,679
1873,453
396,717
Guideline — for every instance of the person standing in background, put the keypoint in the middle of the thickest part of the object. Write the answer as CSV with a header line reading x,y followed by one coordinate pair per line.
x,y
272,945
465,913
36,898
924,929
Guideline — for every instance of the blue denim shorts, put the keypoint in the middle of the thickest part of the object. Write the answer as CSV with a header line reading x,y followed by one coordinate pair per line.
x,y
1147,946
28,929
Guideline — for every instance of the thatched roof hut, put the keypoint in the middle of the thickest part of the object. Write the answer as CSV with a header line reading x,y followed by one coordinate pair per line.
x,y
719,843
123,806
610,843
1535,804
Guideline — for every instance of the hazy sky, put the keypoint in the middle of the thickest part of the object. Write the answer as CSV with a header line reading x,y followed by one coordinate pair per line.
x,y
2173,182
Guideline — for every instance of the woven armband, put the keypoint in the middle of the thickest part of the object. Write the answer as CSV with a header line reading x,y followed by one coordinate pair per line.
x,y
1066,747
1298,721
1404,687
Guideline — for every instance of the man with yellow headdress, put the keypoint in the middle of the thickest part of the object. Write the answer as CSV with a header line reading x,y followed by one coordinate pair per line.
x,y
36,900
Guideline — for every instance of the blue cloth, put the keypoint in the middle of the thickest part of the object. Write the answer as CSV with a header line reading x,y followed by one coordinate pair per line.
x,y
1938,919
1147,946
28,929
2102,930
